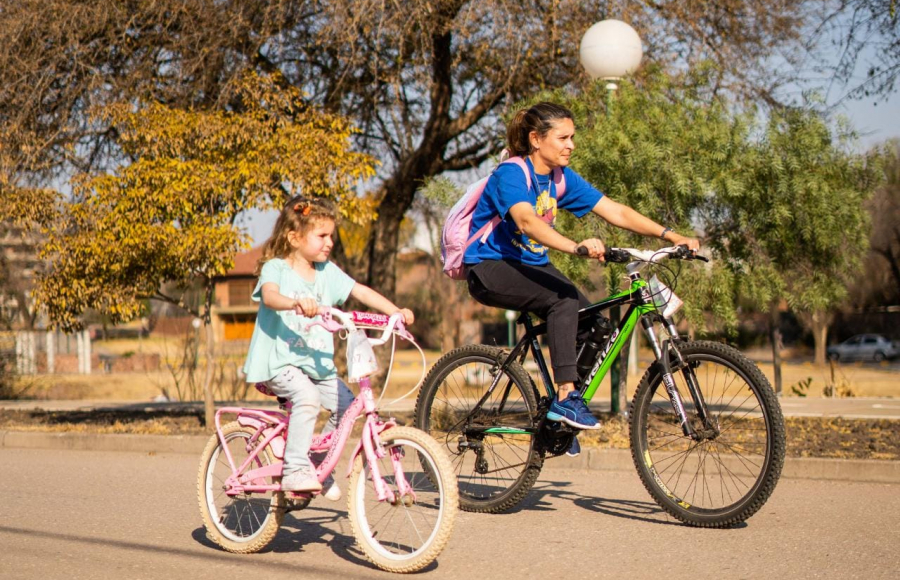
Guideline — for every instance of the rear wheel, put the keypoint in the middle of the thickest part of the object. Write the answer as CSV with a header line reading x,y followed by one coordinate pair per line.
x,y
727,473
408,534
241,523
491,445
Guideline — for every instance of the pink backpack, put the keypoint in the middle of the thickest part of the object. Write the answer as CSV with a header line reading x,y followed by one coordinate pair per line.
x,y
455,237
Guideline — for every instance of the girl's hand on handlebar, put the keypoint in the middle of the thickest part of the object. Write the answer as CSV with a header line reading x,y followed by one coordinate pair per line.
x,y
307,307
408,316
594,247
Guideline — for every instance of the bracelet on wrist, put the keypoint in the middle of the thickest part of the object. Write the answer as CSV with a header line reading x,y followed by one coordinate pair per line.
x,y
662,236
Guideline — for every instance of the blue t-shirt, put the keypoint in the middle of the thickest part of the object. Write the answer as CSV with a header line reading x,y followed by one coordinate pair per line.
x,y
505,188
280,338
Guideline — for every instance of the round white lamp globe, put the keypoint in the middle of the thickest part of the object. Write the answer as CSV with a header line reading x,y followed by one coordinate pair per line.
x,y
610,49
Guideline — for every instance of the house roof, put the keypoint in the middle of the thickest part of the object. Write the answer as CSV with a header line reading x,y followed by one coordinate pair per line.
x,y
245,263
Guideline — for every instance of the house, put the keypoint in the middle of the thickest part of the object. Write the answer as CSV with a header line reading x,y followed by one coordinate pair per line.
x,y
234,313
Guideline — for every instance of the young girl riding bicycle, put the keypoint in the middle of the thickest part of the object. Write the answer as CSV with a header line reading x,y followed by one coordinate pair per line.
x,y
294,361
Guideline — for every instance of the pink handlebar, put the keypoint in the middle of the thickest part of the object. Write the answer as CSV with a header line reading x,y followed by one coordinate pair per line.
x,y
333,320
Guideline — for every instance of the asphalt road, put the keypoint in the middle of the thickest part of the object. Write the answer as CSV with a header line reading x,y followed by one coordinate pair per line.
x,y
87,514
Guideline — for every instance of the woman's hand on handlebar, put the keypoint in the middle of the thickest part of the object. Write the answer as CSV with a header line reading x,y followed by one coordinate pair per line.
x,y
692,244
592,248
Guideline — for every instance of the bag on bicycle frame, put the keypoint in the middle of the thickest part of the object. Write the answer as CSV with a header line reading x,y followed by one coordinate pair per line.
x,y
455,239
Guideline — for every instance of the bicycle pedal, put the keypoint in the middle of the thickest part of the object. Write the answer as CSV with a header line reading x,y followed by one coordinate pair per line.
x,y
297,503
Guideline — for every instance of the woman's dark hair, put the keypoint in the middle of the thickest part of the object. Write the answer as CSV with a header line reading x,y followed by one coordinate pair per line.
x,y
540,119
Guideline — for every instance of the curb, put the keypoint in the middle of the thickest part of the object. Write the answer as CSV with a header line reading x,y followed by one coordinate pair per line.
x,y
859,470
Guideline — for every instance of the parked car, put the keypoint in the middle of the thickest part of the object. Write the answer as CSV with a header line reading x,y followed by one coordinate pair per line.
x,y
865,347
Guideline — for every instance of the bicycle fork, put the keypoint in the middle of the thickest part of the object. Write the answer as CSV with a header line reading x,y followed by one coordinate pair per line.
x,y
709,429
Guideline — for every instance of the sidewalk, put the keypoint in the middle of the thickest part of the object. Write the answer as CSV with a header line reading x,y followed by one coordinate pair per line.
x,y
861,470
855,408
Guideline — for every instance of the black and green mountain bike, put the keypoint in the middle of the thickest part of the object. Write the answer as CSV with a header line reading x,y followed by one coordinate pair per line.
x,y
707,433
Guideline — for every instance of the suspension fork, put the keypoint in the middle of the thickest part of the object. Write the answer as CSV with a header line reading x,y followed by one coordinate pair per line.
x,y
664,355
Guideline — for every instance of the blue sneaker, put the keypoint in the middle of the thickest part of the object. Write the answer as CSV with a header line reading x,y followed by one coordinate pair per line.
x,y
575,448
572,411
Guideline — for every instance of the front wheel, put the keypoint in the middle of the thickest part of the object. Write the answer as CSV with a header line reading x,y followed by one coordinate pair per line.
x,y
408,534
727,473
242,523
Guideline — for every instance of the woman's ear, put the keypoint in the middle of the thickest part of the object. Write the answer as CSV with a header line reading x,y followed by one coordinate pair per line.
x,y
534,140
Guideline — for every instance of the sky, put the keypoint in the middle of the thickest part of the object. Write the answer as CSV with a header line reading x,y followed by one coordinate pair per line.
x,y
876,121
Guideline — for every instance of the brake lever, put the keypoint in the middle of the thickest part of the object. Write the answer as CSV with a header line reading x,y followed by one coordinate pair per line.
x,y
686,253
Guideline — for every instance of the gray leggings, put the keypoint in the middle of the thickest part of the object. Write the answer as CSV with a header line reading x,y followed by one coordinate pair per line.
x,y
306,396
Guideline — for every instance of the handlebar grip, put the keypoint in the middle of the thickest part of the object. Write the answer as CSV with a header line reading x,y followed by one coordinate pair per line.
x,y
617,256
581,251
686,254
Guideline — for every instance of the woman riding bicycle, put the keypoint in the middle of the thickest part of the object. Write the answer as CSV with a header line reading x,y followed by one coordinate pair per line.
x,y
510,268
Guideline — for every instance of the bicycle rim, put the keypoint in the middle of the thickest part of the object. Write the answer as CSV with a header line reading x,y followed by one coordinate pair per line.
x,y
244,518
408,534
495,460
719,481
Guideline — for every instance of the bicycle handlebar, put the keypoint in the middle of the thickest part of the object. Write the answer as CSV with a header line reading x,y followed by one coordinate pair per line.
x,y
334,320
625,255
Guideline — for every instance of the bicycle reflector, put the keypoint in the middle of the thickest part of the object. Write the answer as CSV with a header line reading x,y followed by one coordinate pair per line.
x,y
663,297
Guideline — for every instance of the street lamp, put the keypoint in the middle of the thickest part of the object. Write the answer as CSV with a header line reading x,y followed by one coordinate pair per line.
x,y
610,49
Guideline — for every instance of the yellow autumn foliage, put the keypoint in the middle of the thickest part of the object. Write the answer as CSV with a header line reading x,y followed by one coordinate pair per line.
x,y
169,215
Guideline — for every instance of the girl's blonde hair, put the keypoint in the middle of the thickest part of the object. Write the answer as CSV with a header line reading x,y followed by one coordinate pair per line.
x,y
299,214
540,119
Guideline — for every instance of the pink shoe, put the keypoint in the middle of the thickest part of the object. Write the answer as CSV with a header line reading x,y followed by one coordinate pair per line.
x,y
300,480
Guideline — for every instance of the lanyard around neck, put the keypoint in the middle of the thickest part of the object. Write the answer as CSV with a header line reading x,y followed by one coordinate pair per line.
x,y
551,186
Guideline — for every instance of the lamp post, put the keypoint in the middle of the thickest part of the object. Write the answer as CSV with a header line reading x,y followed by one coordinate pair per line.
x,y
611,49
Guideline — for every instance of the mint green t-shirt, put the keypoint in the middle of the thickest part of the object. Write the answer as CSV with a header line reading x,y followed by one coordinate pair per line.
x,y
280,338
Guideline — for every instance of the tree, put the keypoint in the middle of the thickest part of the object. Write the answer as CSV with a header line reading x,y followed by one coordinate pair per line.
x,y
426,83
169,215
885,209
798,230
664,146
782,211
864,32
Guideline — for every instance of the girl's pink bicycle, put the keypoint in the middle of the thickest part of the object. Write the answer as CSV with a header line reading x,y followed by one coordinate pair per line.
x,y
402,494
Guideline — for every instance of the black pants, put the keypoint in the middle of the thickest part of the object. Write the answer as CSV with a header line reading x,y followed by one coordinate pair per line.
x,y
543,290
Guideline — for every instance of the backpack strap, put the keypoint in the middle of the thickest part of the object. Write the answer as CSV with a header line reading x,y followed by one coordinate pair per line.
x,y
485,230
559,179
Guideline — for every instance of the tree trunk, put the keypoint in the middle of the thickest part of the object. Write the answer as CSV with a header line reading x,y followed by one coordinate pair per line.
x,y
820,322
209,404
777,344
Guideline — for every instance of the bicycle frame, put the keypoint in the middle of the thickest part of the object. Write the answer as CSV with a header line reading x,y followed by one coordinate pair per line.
x,y
641,308
271,430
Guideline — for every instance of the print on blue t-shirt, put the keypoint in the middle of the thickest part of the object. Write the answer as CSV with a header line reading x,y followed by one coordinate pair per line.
x,y
507,187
